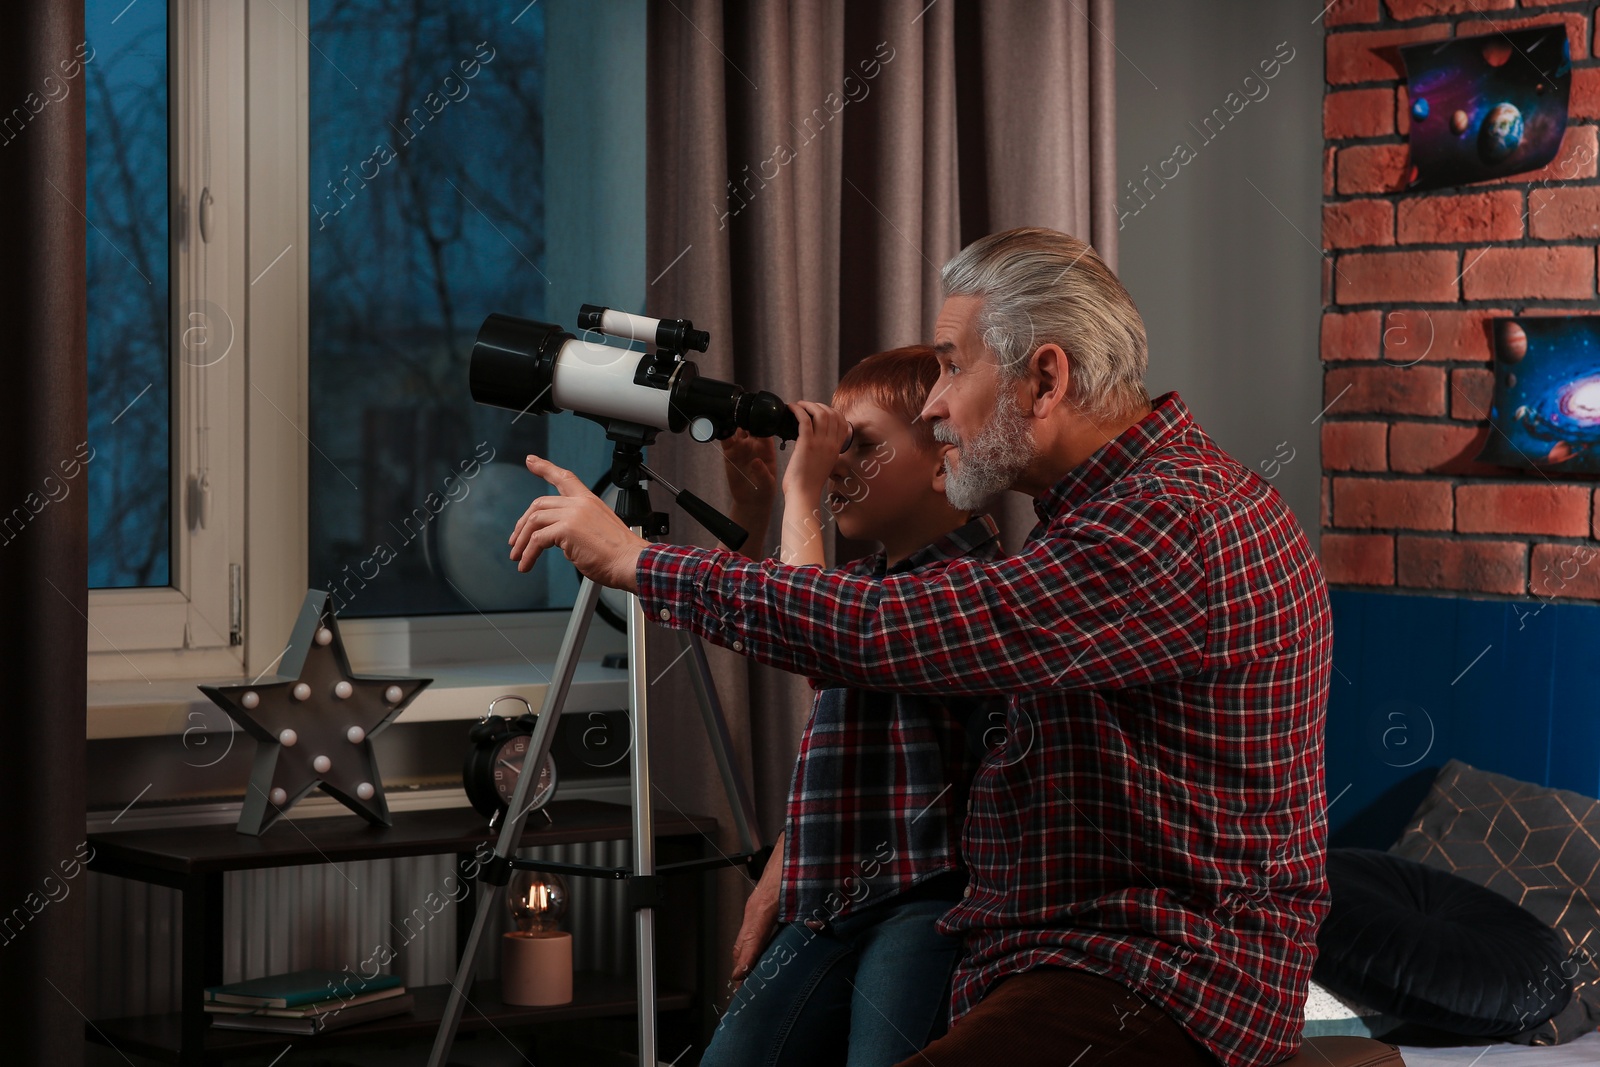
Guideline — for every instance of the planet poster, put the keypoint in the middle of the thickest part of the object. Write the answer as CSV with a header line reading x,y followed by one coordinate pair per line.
x,y
1546,408
1485,107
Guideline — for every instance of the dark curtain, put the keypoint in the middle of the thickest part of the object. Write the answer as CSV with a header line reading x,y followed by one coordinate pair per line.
x,y
43,562
812,165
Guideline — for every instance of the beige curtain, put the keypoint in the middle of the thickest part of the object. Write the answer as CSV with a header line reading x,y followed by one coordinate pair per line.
x,y
812,165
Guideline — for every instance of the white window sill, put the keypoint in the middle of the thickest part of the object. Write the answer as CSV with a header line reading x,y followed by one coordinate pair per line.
x,y
459,691
319,805
136,709
448,649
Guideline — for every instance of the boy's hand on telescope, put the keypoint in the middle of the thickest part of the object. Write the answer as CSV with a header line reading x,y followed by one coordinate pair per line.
x,y
579,524
752,483
753,463
816,451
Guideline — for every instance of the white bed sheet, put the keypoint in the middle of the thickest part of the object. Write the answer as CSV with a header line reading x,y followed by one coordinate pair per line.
x,y
1584,1052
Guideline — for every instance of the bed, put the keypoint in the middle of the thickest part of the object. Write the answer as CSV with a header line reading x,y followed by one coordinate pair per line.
x,y
1584,1052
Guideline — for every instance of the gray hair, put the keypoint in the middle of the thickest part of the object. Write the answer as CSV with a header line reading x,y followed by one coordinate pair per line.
x,y
1042,287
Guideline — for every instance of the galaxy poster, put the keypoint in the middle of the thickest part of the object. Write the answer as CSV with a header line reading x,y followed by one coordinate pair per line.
x,y
1546,394
1485,107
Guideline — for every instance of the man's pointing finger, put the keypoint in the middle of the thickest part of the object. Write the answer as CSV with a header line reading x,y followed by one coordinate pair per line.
x,y
564,481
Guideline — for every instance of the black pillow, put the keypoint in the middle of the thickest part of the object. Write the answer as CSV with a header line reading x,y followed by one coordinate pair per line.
x,y
1434,949
1537,847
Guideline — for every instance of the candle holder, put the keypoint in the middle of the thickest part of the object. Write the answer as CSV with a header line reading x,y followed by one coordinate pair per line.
x,y
536,957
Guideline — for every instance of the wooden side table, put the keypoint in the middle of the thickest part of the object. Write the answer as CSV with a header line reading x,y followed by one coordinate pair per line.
x,y
193,860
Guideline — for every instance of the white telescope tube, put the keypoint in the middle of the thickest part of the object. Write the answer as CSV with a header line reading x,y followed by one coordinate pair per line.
x,y
594,377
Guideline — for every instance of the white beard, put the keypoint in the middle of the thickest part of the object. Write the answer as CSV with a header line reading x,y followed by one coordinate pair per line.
x,y
989,464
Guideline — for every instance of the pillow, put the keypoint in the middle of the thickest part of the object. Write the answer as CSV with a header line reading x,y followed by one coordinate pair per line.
x,y
1327,1015
1432,949
1537,847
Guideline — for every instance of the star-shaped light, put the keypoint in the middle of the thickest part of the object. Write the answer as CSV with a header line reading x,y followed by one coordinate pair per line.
x,y
313,723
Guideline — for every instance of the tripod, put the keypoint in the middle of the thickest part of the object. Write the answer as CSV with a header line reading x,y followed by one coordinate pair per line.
x,y
628,474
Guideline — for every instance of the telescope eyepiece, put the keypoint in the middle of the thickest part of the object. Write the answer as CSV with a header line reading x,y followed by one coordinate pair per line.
x,y
765,415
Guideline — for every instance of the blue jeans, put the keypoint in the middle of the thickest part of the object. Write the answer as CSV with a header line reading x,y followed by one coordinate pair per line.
x,y
869,991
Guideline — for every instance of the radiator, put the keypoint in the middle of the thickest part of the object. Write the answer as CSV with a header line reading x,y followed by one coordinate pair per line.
x,y
332,916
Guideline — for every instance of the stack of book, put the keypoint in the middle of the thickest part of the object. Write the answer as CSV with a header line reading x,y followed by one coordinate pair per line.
x,y
306,1002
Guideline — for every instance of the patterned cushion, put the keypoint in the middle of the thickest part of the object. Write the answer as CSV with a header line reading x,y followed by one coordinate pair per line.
x,y
1539,848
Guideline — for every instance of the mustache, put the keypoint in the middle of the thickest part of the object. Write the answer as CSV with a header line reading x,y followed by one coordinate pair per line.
x,y
943,433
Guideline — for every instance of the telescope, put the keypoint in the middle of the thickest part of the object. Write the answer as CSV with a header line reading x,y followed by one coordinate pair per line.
x,y
525,366
533,366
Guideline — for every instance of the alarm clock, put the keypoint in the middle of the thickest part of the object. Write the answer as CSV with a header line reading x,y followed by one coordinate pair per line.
x,y
496,761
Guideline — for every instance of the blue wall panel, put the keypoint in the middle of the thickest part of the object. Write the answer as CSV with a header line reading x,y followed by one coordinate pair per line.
x,y
1507,686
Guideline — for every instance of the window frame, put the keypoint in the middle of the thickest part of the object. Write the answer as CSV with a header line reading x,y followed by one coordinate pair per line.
x,y
260,179
187,628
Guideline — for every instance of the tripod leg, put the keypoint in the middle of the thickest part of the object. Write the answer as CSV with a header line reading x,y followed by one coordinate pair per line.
x,y
488,910
644,841
744,812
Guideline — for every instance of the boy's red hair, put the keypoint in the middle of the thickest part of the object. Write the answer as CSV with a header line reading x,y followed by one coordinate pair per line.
x,y
896,381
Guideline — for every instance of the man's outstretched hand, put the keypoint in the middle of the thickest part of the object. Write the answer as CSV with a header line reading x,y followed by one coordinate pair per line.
x,y
579,524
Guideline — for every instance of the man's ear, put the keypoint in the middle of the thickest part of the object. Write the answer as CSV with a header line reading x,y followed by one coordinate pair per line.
x,y
1049,380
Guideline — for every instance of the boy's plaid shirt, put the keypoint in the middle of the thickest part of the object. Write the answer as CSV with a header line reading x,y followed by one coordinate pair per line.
x,y
1157,813
881,781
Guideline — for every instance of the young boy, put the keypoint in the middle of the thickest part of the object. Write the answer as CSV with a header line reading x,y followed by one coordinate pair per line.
x,y
855,971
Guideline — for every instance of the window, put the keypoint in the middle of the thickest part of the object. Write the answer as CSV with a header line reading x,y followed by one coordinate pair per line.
x,y
163,96
125,87
427,203
331,313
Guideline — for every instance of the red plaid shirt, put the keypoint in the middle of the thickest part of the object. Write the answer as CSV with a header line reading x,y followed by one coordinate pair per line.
x,y
881,780
1157,813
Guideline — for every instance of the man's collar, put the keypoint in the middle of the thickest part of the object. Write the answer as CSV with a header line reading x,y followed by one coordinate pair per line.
x,y
1168,416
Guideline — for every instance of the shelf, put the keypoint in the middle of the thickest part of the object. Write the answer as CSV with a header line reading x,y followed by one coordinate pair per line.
x,y
184,852
593,995
194,860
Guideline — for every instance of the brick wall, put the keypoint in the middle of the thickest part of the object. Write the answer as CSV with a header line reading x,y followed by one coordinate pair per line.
x,y
1408,284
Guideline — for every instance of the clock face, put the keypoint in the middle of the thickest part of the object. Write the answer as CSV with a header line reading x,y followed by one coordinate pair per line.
x,y
509,757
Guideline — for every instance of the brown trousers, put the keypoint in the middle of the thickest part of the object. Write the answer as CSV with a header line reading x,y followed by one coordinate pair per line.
x,y
1055,1017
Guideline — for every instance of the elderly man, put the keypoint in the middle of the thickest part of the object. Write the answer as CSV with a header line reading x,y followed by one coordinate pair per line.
x,y
1146,845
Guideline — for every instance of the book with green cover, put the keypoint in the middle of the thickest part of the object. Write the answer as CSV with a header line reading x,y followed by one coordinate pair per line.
x,y
305,1011
298,987
316,1024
